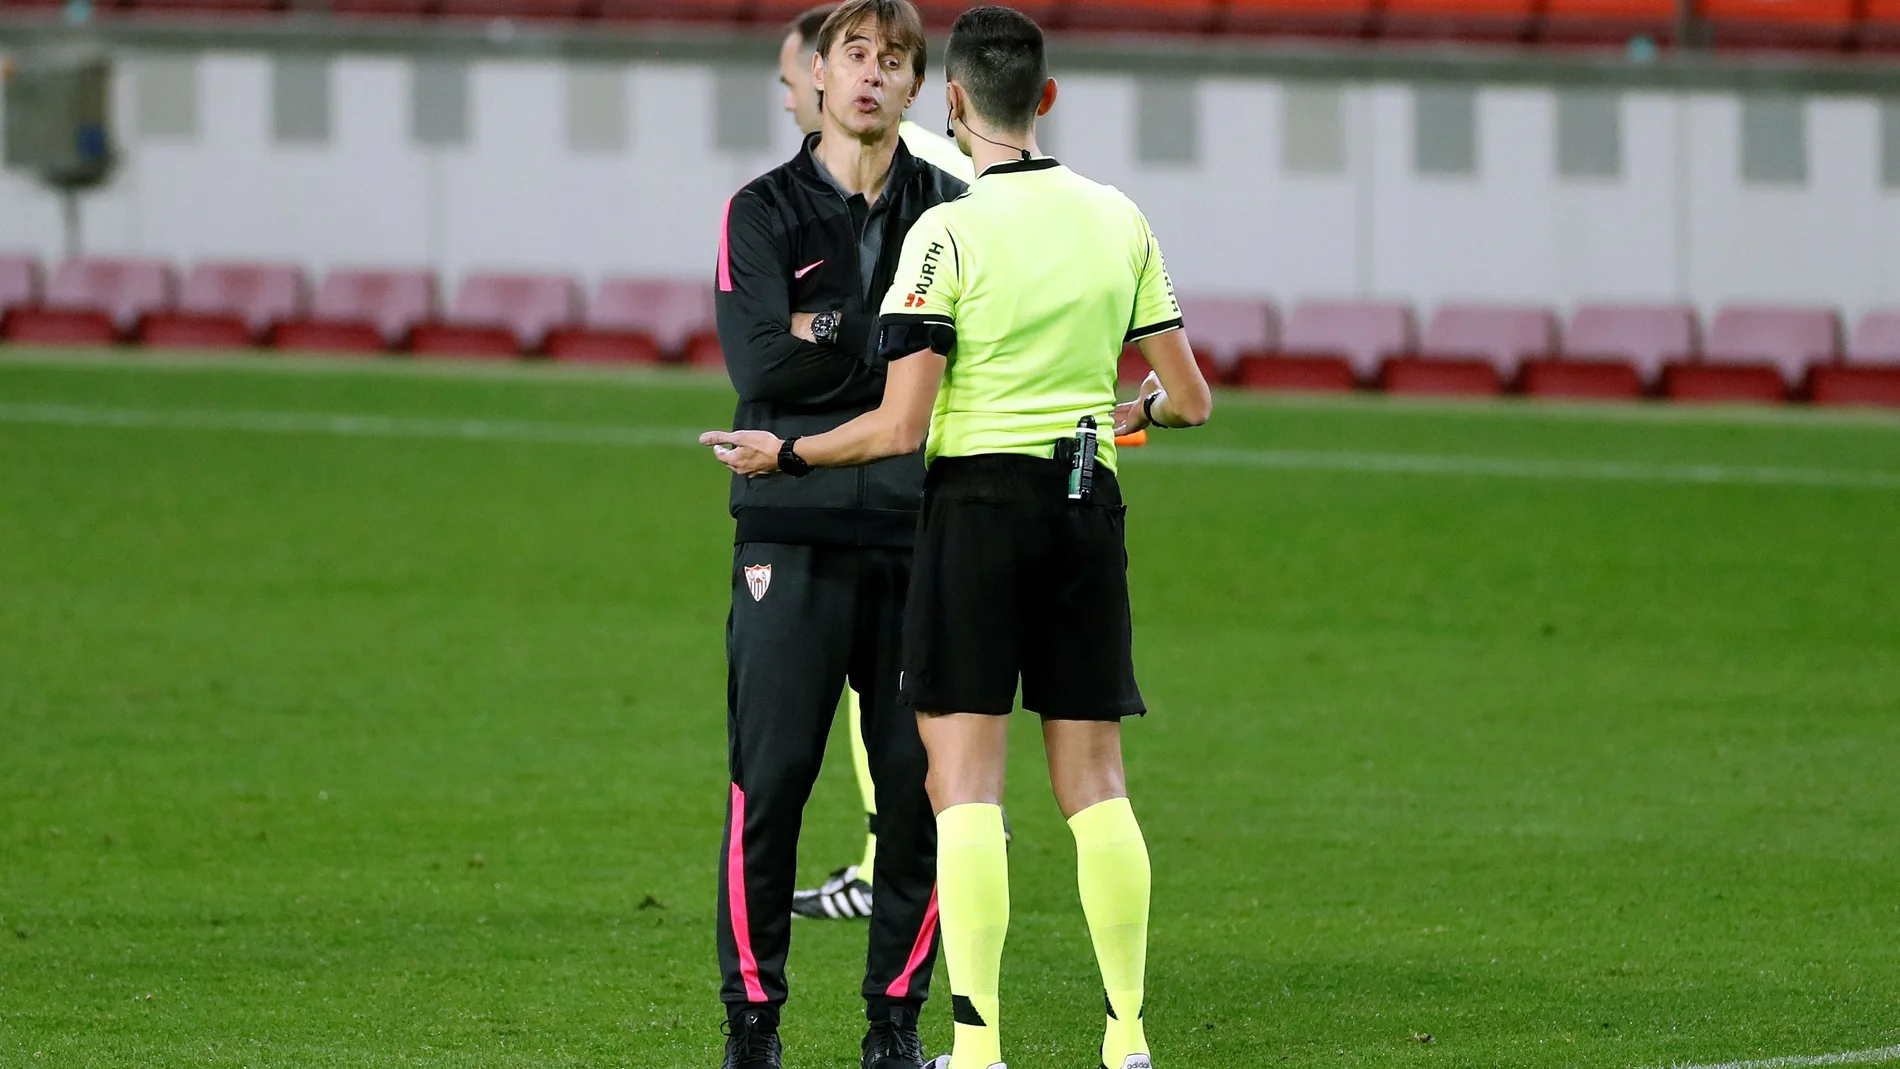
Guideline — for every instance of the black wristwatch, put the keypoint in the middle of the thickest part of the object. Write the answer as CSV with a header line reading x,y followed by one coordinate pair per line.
x,y
790,462
824,327
1148,408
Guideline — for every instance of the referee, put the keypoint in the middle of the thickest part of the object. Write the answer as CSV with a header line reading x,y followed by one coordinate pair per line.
x,y
821,565
1003,330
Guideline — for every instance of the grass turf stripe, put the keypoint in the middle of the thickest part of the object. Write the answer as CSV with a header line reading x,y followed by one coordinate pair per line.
x,y
359,425
1878,1056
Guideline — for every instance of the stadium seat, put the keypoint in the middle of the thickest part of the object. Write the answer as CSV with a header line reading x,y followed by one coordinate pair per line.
x,y
411,8
160,6
1856,385
1349,18
1790,340
671,312
1504,336
1496,20
1134,366
1757,383
1613,352
1332,345
227,306
19,284
1787,23
621,320
702,350
1609,21
1160,16
1875,341
1226,327
520,9
1879,28
95,301
500,315
1045,12
362,311
677,10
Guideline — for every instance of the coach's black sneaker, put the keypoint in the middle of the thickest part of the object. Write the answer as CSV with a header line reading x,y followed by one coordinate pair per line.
x,y
893,1043
751,1042
843,897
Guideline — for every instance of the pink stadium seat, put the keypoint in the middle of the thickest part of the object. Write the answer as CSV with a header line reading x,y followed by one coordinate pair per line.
x,y
1612,352
19,284
365,311
95,301
1504,336
1791,339
228,305
1349,18
1332,345
1166,16
671,312
677,10
501,315
1225,328
1875,342
1609,21
1134,366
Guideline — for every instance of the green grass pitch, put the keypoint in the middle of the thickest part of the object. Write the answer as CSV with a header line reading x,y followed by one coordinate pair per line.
x,y
1568,737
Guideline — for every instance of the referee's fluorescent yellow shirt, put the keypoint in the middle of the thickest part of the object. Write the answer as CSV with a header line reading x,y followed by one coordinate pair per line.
x,y
937,150
1043,276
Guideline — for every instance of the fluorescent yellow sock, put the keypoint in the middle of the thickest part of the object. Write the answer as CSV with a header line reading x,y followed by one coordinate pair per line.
x,y
861,760
1111,865
973,909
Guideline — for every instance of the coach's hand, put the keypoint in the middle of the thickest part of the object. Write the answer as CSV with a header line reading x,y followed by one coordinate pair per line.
x,y
747,453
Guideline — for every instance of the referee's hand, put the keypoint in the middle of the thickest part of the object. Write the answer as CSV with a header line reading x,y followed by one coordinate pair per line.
x,y
1133,415
747,453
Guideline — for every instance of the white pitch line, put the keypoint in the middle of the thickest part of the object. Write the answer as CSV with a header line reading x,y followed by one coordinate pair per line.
x,y
369,426
1879,1056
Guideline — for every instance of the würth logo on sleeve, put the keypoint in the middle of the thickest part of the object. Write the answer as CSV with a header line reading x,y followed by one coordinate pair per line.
x,y
758,579
926,276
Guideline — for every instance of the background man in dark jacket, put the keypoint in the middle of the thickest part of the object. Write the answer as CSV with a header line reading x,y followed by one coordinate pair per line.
x,y
822,561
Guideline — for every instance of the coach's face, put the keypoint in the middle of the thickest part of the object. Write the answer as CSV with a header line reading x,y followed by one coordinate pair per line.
x,y
795,72
867,82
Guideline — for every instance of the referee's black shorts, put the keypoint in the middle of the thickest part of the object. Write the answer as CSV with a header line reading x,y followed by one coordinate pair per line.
x,y
1011,579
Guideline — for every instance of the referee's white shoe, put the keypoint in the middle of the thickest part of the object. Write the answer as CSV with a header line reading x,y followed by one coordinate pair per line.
x,y
843,897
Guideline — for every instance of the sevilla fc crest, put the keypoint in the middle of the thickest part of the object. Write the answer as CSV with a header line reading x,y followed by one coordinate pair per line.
x,y
758,579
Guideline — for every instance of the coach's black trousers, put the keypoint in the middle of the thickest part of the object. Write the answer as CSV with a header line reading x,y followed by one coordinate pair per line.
x,y
805,619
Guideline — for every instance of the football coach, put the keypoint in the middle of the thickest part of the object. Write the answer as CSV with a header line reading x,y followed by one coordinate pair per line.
x,y
821,565
1003,335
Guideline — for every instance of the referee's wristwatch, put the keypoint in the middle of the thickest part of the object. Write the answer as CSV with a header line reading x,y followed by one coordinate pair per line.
x,y
790,462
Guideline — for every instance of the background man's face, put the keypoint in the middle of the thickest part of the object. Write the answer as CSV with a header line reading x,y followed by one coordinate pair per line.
x,y
801,90
867,83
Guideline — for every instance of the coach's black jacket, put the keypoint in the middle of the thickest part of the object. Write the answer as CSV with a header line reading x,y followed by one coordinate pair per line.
x,y
792,220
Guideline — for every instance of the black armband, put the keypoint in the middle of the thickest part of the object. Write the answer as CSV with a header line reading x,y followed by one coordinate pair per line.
x,y
899,336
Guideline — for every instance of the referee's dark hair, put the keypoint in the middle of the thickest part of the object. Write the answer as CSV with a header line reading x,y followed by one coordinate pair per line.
x,y
996,55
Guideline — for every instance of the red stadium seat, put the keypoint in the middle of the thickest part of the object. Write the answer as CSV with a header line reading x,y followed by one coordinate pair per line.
x,y
1330,344
1876,339
90,301
1607,21
1506,20
1795,23
520,9
491,311
1880,25
1612,352
151,6
677,10
360,310
1757,383
411,8
1350,18
1645,336
228,305
613,332
702,350
1134,366
1789,339
1856,385
1163,16
19,284
670,312
1503,336
1225,327
1440,377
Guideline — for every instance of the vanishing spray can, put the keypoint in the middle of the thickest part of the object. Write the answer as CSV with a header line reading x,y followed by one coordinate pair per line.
x,y
1082,469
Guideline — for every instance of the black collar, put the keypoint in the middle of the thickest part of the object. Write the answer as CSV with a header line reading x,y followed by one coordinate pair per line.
x,y
806,165
1041,163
